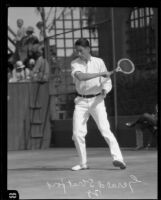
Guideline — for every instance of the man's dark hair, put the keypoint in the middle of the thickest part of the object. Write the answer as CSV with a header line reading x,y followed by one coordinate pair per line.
x,y
82,42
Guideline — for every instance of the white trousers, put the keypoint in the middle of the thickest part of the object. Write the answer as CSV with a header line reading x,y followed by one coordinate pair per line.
x,y
83,109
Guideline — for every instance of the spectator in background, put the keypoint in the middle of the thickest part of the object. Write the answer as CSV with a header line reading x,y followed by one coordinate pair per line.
x,y
55,68
18,73
21,32
20,35
25,51
9,74
10,65
41,69
29,43
30,39
145,121
39,25
29,69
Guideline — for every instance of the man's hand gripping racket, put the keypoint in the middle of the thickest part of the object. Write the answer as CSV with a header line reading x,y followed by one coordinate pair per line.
x,y
124,65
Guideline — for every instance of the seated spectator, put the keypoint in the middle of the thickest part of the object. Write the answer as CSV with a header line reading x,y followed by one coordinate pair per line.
x,y
9,74
145,121
41,69
24,51
18,72
29,69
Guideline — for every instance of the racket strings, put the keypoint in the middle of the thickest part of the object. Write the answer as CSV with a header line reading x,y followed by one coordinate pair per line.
x,y
126,66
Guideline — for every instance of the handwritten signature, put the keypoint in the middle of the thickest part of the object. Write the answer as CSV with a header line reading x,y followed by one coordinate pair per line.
x,y
95,188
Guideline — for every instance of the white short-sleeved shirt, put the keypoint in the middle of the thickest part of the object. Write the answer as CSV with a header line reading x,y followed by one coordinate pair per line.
x,y
92,86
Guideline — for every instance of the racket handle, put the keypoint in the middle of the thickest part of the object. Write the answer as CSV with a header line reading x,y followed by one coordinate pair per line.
x,y
111,72
107,74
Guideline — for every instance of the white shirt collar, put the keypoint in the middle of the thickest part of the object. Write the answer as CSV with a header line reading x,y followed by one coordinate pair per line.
x,y
90,58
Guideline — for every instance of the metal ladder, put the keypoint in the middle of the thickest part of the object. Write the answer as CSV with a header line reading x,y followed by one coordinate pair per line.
x,y
35,132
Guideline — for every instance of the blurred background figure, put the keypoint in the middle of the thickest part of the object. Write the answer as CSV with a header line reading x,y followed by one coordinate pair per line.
x,y
18,73
30,37
9,75
41,69
20,35
30,40
39,25
21,32
29,69
146,122
27,51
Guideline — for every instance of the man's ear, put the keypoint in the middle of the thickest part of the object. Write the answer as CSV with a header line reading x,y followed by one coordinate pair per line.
x,y
88,48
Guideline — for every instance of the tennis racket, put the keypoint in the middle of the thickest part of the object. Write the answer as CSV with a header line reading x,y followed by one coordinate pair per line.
x,y
125,66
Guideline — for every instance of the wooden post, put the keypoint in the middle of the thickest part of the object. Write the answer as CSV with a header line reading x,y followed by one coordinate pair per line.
x,y
114,66
46,41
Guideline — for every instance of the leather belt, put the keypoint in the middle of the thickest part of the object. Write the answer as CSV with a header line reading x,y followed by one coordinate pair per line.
x,y
88,96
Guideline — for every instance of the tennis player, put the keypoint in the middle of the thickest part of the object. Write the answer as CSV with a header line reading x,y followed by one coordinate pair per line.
x,y
92,81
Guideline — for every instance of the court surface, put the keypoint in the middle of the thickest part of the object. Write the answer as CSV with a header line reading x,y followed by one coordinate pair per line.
x,y
46,174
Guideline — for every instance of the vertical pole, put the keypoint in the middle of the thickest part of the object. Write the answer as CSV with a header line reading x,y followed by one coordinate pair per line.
x,y
156,34
156,37
44,33
114,66
46,49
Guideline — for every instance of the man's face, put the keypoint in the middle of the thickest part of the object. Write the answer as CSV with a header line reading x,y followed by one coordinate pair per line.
x,y
19,23
82,52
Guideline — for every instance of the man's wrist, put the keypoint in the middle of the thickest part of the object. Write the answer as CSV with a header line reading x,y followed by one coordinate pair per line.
x,y
104,90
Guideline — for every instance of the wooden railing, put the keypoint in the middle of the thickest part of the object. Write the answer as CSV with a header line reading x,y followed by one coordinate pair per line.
x,y
28,103
10,39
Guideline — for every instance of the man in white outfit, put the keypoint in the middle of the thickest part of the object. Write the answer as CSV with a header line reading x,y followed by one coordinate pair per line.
x,y
92,81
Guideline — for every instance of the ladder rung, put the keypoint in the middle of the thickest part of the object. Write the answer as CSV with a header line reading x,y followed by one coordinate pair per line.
x,y
35,107
61,111
37,136
36,123
61,103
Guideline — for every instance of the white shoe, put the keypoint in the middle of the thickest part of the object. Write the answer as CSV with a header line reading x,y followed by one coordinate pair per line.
x,y
79,167
120,164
